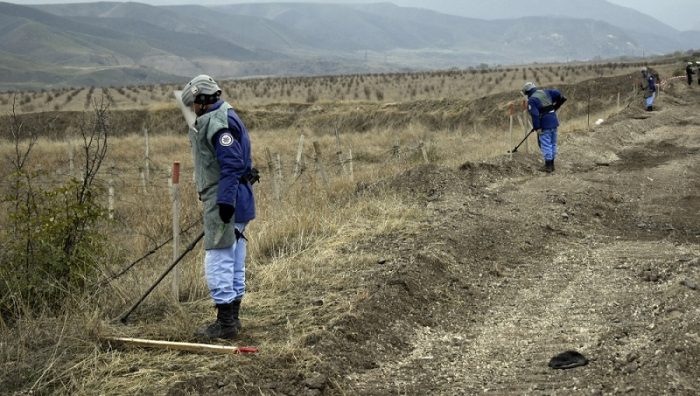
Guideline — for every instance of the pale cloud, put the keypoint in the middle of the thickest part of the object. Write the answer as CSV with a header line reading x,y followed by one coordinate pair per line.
x,y
679,14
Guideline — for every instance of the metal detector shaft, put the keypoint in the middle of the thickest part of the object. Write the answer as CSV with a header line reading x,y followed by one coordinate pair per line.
x,y
522,141
150,289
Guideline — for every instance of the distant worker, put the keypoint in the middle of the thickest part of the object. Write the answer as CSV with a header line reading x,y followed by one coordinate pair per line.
x,y
223,178
698,63
543,104
689,72
648,88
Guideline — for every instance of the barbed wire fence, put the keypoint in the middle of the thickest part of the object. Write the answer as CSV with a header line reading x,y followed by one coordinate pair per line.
x,y
134,184
129,185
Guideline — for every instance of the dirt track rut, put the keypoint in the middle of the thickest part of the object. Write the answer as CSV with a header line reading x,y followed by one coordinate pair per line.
x,y
594,258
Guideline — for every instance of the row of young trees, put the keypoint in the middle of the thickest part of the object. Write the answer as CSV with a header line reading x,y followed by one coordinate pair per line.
x,y
379,87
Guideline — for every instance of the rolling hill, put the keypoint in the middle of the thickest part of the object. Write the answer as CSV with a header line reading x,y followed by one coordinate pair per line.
x,y
133,43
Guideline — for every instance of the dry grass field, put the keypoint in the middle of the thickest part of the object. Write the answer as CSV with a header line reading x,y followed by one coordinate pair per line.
x,y
307,269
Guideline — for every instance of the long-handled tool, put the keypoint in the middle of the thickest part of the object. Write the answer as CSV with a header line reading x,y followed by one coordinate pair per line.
x,y
522,141
150,289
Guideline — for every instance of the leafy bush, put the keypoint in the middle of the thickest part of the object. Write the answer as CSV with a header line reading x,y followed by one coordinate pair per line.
x,y
51,245
51,240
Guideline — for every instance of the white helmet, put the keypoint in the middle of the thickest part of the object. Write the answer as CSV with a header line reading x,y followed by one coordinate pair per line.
x,y
644,70
202,89
690,63
528,87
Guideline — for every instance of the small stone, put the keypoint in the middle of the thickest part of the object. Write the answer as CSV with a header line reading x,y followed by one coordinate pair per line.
x,y
689,284
316,381
381,260
220,384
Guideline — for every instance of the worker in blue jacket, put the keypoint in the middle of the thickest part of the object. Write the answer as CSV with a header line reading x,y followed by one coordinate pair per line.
x,y
648,88
689,72
542,105
223,175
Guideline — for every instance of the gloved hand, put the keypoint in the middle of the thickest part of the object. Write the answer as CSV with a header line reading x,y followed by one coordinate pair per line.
x,y
226,212
560,102
540,131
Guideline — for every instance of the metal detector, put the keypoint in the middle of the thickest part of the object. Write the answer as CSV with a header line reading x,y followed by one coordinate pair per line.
x,y
150,289
522,141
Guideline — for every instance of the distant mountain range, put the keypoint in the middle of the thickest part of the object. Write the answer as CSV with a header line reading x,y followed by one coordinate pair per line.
x,y
106,43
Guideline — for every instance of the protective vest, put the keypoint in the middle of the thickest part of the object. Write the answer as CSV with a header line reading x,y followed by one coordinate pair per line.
x,y
547,104
207,174
647,86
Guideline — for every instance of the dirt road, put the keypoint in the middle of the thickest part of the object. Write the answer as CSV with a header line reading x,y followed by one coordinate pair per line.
x,y
601,257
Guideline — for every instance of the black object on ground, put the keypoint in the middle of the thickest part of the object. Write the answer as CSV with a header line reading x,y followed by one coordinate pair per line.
x,y
567,360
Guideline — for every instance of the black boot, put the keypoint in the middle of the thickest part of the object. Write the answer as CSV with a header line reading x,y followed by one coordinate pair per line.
x,y
548,167
649,108
227,324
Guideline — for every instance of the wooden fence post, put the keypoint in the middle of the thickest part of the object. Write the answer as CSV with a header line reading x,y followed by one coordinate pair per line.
x,y
395,150
278,169
297,162
42,182
273,180
421,145
339,150
111,193
588,109
304,168
510,145
71,165
148,167
176,229
319,165
142,177
350,166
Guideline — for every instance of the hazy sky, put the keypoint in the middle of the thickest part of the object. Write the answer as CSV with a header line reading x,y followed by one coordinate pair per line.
x,y
679,14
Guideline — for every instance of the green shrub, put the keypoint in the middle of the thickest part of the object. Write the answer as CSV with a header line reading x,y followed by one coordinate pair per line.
x,y
51,246
51,242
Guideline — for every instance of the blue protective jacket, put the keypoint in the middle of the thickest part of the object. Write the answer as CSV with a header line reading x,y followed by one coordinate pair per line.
x,y
539,104
652,85
232,147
